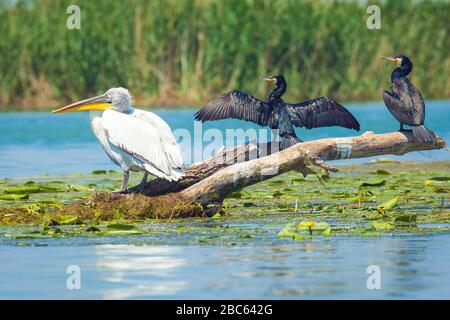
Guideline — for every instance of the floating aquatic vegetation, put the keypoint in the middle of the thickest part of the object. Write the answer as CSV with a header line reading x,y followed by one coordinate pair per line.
x,y
22,190
382,172
376,183
288,231
122,229
298,231
14,197
408,218
382,225
71,220
262,212
276,182
440,178
390,204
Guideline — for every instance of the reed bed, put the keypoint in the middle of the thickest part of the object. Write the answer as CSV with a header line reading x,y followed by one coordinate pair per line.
x,y
182,52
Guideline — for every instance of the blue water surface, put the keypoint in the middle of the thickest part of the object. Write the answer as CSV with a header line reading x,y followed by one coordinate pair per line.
x,y
412,266
33,143
409,267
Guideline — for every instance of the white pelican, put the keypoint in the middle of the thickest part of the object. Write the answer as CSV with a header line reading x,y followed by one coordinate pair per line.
x,y
134,139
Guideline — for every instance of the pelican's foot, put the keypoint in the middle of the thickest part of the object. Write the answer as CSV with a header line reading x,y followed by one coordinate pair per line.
x,y
140,187
120,191
137,189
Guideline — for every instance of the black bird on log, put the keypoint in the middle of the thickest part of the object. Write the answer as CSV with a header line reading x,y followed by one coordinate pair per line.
x,y
405,102
278,114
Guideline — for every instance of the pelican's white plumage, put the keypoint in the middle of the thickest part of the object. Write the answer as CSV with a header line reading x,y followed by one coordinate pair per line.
x,y
139,141
134,139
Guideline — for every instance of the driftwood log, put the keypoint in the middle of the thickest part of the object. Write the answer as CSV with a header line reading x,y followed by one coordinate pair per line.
x,y
207,183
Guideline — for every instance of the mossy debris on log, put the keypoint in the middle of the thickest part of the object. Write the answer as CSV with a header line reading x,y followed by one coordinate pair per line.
x,y
104,207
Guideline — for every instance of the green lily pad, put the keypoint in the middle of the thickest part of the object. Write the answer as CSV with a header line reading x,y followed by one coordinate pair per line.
x,y
80,188
409,218
277,194
390,204
92,229
71,220
277,182
376,183
318,226
382,225
440,178
327,231
122,229
14,197
297,181
249,204
287,232
23,190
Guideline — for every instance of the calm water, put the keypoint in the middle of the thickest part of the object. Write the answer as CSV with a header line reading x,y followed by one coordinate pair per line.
x,y
412,266
36,143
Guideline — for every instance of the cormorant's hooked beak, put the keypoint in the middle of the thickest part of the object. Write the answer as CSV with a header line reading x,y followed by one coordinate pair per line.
x,y
101,102
393,59
271,80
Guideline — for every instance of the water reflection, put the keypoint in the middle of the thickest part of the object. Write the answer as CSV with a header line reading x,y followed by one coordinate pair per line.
x,y
140,271
412,267
406,261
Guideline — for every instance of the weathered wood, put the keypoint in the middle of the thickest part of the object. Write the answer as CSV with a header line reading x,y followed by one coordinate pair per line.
x,y
213,189
203,169
366,145
200,170
209,182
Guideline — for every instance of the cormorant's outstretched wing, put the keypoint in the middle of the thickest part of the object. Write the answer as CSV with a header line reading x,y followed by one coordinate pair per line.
x,y
238,105
321,112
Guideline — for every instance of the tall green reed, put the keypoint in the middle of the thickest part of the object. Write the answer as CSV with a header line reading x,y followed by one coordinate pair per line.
x,y
186,51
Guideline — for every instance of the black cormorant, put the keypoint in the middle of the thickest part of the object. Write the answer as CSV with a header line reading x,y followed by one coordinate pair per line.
x,y
405,102
277,114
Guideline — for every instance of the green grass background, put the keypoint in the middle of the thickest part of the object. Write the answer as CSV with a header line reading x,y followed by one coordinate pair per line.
x,y
183,52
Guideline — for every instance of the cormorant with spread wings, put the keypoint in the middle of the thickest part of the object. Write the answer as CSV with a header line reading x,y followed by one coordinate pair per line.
x,y
277,114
